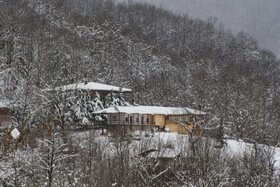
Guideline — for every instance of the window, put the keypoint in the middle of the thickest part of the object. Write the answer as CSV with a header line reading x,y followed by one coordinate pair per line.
x,y
114,118
126,119
137,119
142,120
147,120
191,119
9,112
158,118
130,119
166,117
102,98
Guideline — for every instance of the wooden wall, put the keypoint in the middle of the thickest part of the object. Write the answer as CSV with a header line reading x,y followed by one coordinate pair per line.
x,y
131,122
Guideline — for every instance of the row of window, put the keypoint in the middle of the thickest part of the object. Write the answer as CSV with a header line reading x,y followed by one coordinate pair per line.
x,y
159,118
131,119
180,118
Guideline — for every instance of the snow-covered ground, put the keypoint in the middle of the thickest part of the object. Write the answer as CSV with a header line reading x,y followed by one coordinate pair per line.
x,y
168,144
238,148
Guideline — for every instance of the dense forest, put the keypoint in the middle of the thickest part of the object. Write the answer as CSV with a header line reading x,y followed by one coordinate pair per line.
x,y
166,59
256,17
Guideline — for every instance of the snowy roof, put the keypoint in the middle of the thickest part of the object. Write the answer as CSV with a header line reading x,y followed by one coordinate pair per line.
x,y
4,104
150,110
93,86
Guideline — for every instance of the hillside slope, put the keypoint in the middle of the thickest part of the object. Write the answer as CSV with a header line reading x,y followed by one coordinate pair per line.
x,y
166,59
258,18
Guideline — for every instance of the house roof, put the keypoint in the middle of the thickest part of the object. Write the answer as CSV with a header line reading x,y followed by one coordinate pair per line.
x,y
92,86
4,104
150,110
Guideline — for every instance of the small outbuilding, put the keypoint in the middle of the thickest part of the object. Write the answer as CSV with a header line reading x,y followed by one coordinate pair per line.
x,y
7,120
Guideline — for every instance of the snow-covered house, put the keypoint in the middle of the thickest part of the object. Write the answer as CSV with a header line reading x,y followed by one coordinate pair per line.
x,y
6,116
102,89
131,118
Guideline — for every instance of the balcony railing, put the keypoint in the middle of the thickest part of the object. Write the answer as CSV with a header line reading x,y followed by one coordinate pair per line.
x,y
105,124
128,123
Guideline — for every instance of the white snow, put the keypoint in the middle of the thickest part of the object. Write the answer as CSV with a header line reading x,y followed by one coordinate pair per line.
x,y
92,86
4,104
15,133
150,110
169,145
236,147
277,157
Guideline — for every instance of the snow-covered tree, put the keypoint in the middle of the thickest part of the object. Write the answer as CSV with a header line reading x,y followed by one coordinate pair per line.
x,y
82,108
115,99
52,160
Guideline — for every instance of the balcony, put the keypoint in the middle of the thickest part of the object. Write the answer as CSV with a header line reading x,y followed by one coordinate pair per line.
x,y
128,123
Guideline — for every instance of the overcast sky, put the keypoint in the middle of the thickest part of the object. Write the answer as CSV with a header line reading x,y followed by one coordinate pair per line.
x,y
259,18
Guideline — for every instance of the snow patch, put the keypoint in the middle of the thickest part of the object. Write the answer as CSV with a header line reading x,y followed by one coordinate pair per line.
x,y
4,104
15,133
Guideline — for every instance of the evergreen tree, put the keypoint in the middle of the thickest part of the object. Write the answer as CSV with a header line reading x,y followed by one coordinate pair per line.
x,y
83,107
115,99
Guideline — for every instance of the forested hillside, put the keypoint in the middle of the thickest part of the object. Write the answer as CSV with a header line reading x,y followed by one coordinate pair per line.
x,y
167,60
257,17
